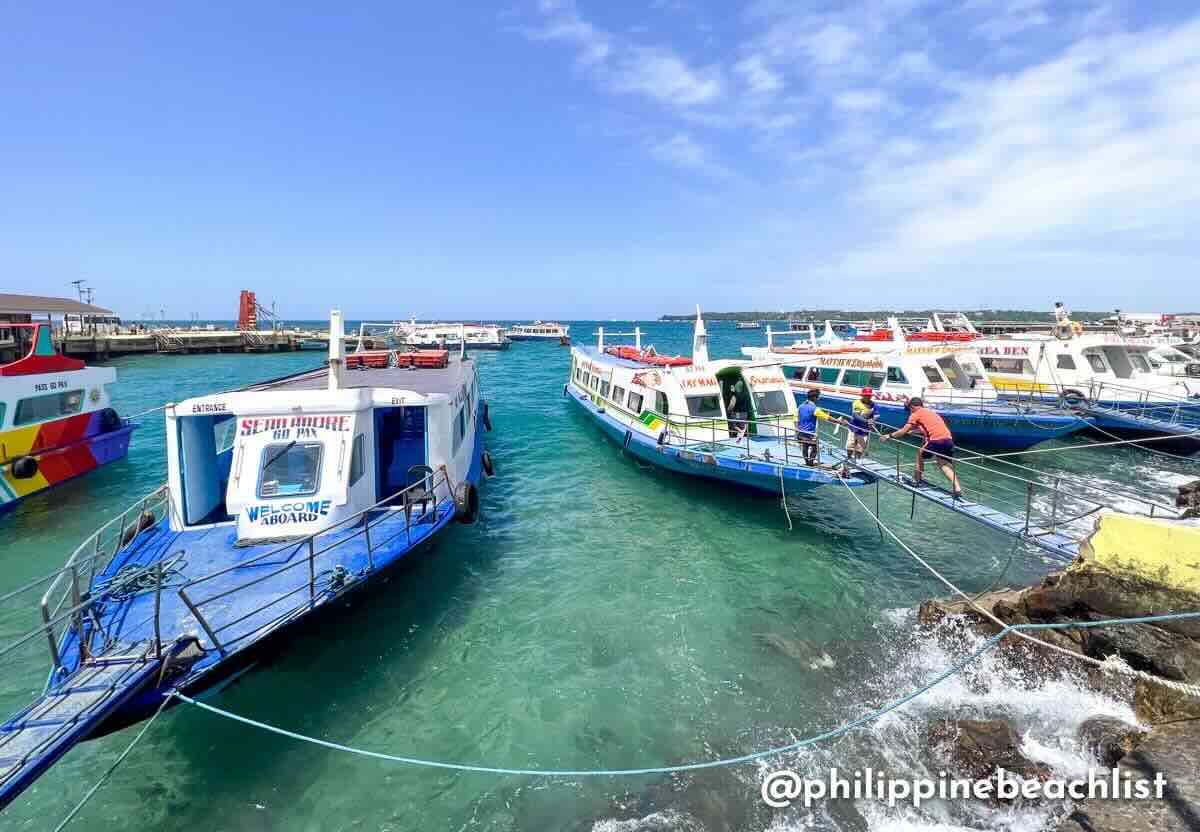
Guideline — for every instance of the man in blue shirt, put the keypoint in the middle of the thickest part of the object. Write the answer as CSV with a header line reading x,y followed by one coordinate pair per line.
x,y
806,425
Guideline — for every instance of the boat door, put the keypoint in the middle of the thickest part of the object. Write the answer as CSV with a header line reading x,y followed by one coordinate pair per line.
x,y
402,449
735,394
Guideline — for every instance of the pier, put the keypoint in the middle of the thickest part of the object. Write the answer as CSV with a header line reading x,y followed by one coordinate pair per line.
x,y
101,346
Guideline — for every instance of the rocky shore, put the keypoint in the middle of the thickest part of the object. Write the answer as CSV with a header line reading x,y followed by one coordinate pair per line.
x,y
1169,740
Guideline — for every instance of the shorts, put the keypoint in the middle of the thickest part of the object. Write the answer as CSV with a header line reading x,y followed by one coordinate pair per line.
x,y
805,437
857,442
941,448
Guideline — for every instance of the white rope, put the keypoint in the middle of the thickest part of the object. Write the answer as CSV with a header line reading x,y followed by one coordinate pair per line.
x,y
1109,666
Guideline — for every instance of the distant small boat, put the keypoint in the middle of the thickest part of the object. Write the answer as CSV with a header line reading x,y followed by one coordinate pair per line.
x,y
538,331
749,325
451,336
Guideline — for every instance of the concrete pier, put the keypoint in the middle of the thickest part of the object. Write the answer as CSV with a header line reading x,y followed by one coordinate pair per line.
x,y
101,346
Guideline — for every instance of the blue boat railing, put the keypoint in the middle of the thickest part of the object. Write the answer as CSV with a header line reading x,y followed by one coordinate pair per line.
x,y
433,493
1182,409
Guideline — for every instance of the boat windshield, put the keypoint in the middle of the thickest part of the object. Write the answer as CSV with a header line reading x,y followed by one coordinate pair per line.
x,y
771,403
707,407
290,469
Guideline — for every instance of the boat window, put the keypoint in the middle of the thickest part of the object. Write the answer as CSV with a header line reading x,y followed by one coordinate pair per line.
x,y
932,374
52,406
875,380
578,374
635,402
290,469
595,382
1014,366
604,389
618,394
2,408
771,403
1097,363
587,378
1139,361
1065,362
814,374
855,378
706,407
896,376
660,402
954,373
357,460
829,375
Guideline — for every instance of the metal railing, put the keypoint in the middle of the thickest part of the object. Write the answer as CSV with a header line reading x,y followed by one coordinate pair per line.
x,y
423,493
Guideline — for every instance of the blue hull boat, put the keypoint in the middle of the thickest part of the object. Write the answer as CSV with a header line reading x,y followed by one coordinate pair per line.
x,y
282,501
996,428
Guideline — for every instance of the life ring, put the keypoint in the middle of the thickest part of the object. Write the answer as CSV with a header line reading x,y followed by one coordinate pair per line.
x,y
24,467
466,503
1073,399
1193,369
487,416
489,467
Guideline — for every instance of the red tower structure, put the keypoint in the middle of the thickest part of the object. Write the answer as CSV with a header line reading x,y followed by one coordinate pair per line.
x,y
247,311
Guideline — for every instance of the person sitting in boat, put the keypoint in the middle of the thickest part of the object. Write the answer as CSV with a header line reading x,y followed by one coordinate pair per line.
x,y
863,413
939,443
806,425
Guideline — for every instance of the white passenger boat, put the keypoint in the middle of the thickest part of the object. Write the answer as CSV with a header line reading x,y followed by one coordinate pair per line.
x,y
948,376
450,336
672,412
539,331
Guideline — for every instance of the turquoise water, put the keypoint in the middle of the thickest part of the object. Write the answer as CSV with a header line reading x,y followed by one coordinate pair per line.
x,y
600,614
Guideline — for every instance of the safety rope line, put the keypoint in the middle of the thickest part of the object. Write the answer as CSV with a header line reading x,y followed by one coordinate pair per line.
x,y
708,764
117,762
1110,664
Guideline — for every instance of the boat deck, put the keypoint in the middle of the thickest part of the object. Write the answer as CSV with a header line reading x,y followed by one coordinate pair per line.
x,y
425,380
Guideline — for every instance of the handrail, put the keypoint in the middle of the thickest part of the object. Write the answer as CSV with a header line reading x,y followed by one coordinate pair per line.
x,y
427,486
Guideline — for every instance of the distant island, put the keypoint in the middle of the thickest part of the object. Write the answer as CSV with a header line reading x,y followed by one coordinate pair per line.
x,y
976,315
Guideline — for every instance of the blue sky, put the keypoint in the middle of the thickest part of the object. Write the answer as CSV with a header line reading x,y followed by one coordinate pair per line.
x,y
584,159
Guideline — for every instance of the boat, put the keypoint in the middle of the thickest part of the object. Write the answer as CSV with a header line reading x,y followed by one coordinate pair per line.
x,y
674,416
56,417
538,331
947,376
283,501
451,336
748,325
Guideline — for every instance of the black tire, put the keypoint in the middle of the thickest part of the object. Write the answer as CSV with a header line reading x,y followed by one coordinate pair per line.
x,y
466,503
487,416
110,420
24,467
489,467
1073,399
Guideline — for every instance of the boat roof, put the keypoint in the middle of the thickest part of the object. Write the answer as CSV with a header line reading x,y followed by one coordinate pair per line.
x,y
425,381
616,361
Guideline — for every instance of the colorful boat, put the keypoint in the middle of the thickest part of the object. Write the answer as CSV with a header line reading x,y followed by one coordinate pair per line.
x,y
675,417
948,376
56,418
282,501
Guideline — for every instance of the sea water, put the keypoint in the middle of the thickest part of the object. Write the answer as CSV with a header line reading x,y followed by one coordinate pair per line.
x,y
600,615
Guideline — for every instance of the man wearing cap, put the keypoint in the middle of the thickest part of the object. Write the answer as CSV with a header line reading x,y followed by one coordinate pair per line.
x,y
862,419
939,443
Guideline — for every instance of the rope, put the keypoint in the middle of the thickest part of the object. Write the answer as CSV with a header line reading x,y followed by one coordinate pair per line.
x,y
104,777
707,764
1019,630
783,499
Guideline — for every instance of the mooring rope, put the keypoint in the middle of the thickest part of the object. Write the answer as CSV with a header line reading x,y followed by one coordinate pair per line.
x,y
108,773
1110,664
707,764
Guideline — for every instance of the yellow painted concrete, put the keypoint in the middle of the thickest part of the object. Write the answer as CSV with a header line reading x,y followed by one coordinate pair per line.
x,y
1166,552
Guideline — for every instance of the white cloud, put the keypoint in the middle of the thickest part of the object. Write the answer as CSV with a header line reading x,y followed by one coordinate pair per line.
x,y
683,152
859,100
1094,144
758,76
664,76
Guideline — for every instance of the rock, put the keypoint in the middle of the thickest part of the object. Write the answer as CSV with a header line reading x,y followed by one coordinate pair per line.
x,y
1111,739
790,647
1146,647
977,748
1155,703
1172,750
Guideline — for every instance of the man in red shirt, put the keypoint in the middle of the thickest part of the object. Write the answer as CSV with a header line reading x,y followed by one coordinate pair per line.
x,y
939,443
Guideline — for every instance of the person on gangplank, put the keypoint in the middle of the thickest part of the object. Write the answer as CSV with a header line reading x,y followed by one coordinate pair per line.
x,y
939,443
863,413
806,425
